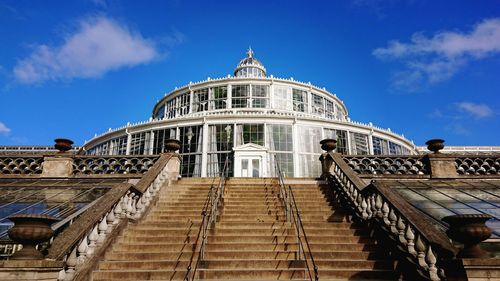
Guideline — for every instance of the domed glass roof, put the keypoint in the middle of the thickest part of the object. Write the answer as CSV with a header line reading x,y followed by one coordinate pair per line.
x,y
250,67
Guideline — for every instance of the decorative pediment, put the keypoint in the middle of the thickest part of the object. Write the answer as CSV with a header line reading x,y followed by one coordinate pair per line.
x,y
249,147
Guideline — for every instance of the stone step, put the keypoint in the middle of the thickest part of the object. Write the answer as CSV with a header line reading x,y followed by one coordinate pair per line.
x,y
244,263
158,247
231,255
286,237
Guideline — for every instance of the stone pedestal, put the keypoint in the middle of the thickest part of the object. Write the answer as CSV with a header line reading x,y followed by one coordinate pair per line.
x,y
441,165
41,270
57,167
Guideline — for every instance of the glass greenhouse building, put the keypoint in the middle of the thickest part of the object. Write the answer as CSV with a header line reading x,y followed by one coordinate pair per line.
x,y
254,120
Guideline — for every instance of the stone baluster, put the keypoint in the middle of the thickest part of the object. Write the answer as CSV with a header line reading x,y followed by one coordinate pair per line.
x,y
430,258
401,226
410,237
118,212
364,208
139,207
71,263
103,227
92,238
385,213
420,248
393,221
129,208
125,205
82,250
378,206
110,219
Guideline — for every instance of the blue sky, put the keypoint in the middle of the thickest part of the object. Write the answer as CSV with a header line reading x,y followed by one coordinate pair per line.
x,y
427,69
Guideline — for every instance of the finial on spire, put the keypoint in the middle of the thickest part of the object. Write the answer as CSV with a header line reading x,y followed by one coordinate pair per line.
x,y
250,52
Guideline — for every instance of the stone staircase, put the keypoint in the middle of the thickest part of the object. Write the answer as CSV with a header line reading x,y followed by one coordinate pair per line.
x,y
251,240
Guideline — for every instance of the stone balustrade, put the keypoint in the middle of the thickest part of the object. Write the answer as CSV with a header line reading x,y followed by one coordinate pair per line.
x,y
21,165
478,165
395,165
425,247
81,242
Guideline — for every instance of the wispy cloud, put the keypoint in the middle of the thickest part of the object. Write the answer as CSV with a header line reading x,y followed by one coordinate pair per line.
x,y
4,130
475,110
429,60
98,45
457,129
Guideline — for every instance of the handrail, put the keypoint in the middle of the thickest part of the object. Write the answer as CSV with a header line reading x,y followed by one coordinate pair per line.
x,y
201,228
426,247
300,226
292,213
215,197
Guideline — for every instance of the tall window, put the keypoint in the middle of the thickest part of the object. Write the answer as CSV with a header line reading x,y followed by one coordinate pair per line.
x,y
220,144
359,144
200,100
339,115
118,146
260,96
395,149
191,143
140,143
240,96
380,146
159,139
250,133
318,107
160,113
280,144
218,97
329,109
177,106
299,100
282,98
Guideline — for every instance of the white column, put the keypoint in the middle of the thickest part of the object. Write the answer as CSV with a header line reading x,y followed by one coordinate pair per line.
x,y
191,96
204,148
229,96
129,139
271,96
151,142
349,151
295,139
370,143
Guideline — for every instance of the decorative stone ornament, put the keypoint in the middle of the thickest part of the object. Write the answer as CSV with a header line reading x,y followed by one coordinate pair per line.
x,y
172,145
469,230
328,144
30,230
63,145
435,145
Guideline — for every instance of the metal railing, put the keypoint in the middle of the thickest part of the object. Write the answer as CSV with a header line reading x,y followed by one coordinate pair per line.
x,y
292,213
215,197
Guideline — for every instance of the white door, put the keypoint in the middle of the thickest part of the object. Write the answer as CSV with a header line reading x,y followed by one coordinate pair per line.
x,y
250,167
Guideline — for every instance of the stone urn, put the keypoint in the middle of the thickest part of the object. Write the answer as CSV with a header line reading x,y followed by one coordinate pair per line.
x,y
30,230
63,145
469,230
172,145
435,145
328,144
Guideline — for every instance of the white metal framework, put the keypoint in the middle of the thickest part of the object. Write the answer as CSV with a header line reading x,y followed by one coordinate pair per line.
x,y
285,117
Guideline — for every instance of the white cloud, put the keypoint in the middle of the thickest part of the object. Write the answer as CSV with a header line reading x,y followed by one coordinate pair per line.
x,y
475,110
437,58
98,45
3,129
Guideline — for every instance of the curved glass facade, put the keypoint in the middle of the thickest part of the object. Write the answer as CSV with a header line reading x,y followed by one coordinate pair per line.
x,y
253,120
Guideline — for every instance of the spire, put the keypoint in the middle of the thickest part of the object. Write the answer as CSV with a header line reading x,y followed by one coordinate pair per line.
x,y
250,66
250,52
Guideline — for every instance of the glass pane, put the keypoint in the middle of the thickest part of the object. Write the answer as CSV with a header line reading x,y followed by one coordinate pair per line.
x,y
255,168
